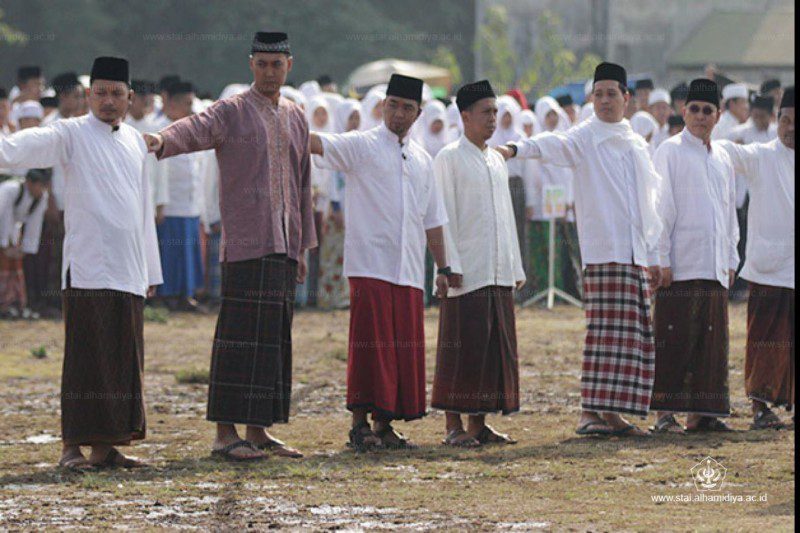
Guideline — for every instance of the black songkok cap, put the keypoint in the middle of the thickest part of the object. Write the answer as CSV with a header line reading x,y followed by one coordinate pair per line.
x,y
39,175
405,87
472,92
767,103
324,80
646,83
564,100
3,93
679,92
770,85
788,97
611,71
675,120
65,82
180,87
110,69
143,87
271,41
48,101
703,90
28,72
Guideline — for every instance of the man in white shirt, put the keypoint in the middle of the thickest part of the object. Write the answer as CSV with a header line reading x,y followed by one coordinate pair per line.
x,y
110,265
476,322
179,228
22,203
769,267
736,98
661,109
698,259
393,208
761,126
616,194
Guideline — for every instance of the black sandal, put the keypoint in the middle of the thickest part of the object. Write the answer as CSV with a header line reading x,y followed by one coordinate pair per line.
x,y
114,459
709,424
358,436
402,442
583,429
766,419
456,439
666,424
225,453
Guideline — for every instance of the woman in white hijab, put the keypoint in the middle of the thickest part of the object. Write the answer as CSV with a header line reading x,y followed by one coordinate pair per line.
x,y
320,119
372,110
310,89
434,127
529,123
541,178
334,291
455,126
509,130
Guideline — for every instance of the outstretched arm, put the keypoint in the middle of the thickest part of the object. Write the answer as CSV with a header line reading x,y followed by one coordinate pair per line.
x,y
34,148
315,144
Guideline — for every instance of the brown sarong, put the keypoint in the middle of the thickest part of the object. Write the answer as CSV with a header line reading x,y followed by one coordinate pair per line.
x,y
251,361
691,329
101,383
769,361
477,369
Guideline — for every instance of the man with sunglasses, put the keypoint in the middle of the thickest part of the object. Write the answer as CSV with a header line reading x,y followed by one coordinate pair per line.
x,y
769,267
698,264
616,191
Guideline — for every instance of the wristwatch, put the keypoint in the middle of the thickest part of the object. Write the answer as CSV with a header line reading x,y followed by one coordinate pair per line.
x,y
512,147
445,271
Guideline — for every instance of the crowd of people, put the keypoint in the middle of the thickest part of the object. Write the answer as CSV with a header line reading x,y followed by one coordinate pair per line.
x,y
274,196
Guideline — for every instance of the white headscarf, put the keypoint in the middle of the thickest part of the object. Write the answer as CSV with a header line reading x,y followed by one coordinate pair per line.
x,y
544,105
587,111
507,104
433,142
528,118
310,89
294,95
372,99
455,126
313,104
233,89
343,111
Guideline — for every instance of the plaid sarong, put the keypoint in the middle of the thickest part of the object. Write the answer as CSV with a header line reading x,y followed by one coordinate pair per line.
x,y
619,357
251,362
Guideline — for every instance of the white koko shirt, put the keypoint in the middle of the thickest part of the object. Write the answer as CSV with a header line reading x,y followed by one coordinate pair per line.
x,y
110,240
481,234
608,193
17,209
698,209
392,199
769,170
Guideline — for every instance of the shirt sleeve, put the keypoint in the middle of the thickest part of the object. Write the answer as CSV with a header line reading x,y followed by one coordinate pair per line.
x,y
201,131
341,151
32,230
557,149
309,230
436,213
152,256
733,225
744,158
666,205
442,171
35,147
157,173
7,224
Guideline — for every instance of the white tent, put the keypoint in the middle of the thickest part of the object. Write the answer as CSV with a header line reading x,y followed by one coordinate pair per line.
x,y
377,72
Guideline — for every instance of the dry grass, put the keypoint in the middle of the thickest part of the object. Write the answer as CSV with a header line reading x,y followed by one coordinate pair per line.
x,y
550,480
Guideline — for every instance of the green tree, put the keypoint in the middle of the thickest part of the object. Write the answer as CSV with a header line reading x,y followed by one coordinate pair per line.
x,y
445,58
9,35
495,49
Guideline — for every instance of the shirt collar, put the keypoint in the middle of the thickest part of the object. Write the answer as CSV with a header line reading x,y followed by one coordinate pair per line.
x,y
99,124
466,144
262,100
696,142
392,137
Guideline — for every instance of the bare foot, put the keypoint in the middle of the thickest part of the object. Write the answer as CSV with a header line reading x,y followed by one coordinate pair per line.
x,y
264,441
73,459
105,456
241,453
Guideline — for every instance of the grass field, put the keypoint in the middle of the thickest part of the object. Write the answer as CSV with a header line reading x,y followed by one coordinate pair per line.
x,y
551,480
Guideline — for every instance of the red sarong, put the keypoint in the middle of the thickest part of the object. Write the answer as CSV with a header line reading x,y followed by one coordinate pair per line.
x,y
386,352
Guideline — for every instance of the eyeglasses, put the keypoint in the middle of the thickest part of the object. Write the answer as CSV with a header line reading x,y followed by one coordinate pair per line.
x,y
707,110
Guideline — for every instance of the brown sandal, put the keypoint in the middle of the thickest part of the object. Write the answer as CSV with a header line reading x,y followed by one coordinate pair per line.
x,y
766,419
456,439
668,424
280,449
114,459
489,436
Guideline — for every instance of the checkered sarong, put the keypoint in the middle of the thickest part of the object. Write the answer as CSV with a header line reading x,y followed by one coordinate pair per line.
x,y
619,357
251,363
